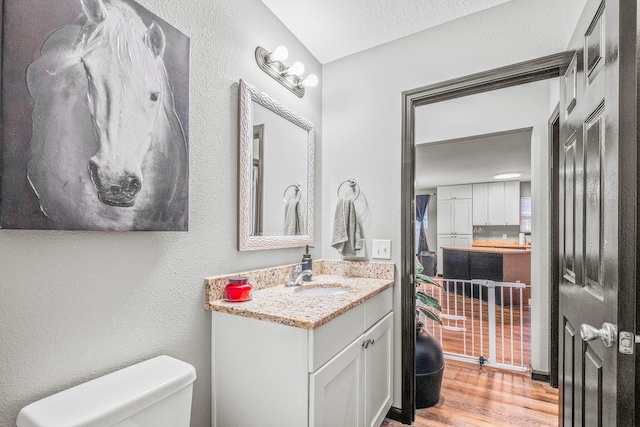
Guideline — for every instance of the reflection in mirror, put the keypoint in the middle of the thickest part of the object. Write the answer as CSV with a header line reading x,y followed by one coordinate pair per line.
x,y
257,193
276,157
293,210
283,163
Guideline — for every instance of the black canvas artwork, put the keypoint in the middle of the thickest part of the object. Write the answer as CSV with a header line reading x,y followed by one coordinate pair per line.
x,y
95,106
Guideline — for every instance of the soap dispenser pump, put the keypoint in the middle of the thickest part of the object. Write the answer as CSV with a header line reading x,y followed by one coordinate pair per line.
x,y
307,264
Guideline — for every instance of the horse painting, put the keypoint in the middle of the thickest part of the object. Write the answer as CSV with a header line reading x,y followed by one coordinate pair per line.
x,y
107,150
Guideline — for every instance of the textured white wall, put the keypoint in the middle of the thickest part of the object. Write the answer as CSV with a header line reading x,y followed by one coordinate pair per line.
x,y
362,104
76,305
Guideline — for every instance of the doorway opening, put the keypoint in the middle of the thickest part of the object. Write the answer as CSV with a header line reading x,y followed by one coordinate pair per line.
x,y
530,71
464,147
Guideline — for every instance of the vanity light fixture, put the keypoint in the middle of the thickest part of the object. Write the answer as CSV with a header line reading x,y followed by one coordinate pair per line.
x,y
289,77
507,175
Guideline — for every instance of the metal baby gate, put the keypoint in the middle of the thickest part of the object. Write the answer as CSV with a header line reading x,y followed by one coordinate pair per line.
x,y
483,322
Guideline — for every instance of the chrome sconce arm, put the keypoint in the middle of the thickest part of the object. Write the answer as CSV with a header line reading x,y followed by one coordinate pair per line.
x,y
288,77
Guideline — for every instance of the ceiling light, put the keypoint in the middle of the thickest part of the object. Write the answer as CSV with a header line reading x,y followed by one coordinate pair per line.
x,y
507,175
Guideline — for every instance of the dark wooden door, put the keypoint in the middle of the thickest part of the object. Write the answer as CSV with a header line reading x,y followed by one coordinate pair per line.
x,y
598,204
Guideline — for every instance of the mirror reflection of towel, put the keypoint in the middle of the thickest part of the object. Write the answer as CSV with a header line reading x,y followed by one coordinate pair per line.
x,y
293,218
346,230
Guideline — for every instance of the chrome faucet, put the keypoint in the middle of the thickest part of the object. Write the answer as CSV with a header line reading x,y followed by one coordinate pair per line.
x,y
297,274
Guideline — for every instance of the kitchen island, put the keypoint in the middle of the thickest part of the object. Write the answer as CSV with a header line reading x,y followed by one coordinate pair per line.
x,y
490,263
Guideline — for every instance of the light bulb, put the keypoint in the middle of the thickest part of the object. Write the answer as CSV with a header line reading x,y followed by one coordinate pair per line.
x,y
295,70
280,54
310,81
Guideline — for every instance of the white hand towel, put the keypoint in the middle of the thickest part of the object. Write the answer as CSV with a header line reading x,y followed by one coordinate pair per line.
x,y
346,229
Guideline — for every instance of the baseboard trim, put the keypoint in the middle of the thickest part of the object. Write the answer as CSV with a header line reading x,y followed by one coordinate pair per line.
x,y
541,376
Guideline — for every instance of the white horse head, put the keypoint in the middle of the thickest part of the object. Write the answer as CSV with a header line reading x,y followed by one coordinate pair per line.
x,y
108,151
122,60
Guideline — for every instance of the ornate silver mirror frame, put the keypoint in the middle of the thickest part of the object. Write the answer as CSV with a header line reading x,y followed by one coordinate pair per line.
x,y
246,239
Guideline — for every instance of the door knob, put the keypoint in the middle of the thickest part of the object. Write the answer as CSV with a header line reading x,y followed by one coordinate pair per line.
x,y
608,333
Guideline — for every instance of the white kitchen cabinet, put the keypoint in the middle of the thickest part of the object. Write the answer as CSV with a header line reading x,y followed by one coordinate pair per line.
x,y
454,192
512,202
270,374
455,218
480,200
496,203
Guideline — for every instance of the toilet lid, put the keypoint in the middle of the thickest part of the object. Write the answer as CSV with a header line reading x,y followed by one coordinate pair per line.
x,y
111,398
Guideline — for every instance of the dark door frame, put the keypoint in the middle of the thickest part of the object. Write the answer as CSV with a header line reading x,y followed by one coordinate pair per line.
x,y
525,72
554,243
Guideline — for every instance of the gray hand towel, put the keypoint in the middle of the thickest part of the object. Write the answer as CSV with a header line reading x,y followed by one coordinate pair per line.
x,y
346,229
293,218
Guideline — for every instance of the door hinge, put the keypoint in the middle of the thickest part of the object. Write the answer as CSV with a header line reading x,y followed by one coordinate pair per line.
x,y
627,342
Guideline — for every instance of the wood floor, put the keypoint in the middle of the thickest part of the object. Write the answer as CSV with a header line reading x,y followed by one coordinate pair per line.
x,y
472,397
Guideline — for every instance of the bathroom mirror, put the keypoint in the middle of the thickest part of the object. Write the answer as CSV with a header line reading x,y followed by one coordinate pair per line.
x,y
275,174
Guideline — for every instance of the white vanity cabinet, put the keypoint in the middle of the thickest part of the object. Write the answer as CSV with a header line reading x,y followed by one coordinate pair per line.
x,y
270,374
354,387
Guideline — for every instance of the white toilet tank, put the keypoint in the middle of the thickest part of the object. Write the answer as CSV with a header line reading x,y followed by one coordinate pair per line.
x,y
153,393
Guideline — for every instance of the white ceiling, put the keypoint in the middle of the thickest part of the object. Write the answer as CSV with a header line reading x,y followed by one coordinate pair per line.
x,y
485,131
332,29
473,159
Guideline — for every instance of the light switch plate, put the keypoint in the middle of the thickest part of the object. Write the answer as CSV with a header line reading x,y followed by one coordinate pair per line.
x,y
381,249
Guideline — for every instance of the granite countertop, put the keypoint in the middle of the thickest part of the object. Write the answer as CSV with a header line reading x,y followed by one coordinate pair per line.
x,y
282,304
492,250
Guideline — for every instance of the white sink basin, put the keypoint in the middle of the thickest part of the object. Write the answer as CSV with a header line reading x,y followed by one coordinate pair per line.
x,y
322,290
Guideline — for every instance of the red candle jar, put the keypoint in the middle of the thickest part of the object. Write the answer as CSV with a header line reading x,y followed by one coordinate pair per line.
x,y
238,290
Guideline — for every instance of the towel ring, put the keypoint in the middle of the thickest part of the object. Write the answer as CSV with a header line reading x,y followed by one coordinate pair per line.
x,y
298,194
354,187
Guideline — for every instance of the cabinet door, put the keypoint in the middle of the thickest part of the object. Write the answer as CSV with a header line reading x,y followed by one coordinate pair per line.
x,y
445,241
378,371
463,191
495,203
450,192
463,241
512,203
336,398
462,212
445,219
480,204
445,193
